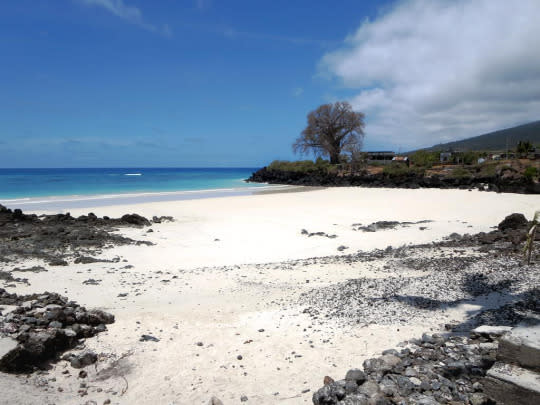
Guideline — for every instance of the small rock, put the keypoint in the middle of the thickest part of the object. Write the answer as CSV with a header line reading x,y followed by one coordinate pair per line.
x,y
83,359
215,401
148,338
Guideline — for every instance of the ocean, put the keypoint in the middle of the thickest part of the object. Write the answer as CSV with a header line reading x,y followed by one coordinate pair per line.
x,y
59,188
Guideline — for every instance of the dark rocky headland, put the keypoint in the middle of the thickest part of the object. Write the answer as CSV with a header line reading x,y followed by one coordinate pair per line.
x,y
506,181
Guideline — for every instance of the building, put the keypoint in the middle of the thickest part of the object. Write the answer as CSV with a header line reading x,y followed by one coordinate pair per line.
x,y
380,157
401,159
445,157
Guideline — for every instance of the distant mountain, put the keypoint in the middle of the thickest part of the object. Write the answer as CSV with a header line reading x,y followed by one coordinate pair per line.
x,y
496,140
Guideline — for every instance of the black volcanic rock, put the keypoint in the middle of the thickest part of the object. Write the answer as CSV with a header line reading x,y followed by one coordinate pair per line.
x,y
497,182
42,326
54,238
513,221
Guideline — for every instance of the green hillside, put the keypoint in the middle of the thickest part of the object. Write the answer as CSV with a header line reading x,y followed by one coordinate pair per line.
x,y
496,140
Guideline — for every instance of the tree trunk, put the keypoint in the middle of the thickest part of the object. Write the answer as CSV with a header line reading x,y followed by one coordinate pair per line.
x,y
334,158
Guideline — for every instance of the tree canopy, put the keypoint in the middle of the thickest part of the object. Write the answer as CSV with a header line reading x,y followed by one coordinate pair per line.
x,y
331,130
524,146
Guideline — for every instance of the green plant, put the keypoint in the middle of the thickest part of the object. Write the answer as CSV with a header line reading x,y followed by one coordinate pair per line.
x,y
524,146
531,235
487,169
470,158
301,166
401,170
424,158
530,172
460,173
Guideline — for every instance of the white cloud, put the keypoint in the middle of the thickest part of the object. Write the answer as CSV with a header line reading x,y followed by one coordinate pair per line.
x,y
203,4
131,14
430,71
298,91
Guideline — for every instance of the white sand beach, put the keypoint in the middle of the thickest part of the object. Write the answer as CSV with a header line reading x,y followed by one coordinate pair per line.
x,y
218,283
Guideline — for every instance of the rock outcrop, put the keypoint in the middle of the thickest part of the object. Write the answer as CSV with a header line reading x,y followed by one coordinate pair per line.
x,y
55,237
39,327
497,182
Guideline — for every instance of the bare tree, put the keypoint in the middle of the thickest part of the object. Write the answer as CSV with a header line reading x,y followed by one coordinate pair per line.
x,y
332,129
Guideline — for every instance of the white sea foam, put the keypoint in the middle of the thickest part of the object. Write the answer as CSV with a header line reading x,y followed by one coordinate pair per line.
x,y
76,200
132,174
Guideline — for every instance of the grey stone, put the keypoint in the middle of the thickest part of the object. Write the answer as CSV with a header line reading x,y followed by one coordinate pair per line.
x,y
370,388
478,398
381,364
351,387
521,346
487,330
329,394
354,399
425,400
355,375
83,359
508,384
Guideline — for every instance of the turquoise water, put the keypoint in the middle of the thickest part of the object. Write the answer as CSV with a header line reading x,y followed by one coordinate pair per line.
x,y
32,183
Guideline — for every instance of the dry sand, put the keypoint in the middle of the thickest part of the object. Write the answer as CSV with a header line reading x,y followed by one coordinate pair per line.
x,y
178,292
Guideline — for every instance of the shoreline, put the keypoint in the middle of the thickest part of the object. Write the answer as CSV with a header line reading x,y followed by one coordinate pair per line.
x,y
62,202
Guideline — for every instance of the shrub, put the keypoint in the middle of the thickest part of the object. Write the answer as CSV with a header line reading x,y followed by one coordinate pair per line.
x,y
400,170
300,166
487,169
530,172
460,173
424,158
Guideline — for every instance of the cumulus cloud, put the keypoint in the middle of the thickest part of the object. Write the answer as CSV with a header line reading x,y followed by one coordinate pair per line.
x,y
130,14
430,71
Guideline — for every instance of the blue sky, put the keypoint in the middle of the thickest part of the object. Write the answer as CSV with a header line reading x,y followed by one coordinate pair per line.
x,y
88,83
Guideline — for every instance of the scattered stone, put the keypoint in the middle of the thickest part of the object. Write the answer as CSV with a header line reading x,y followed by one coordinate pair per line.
x,y
324,234
328,380
83,359
419,374
91,281
215,401
58,262
148,338
88,260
